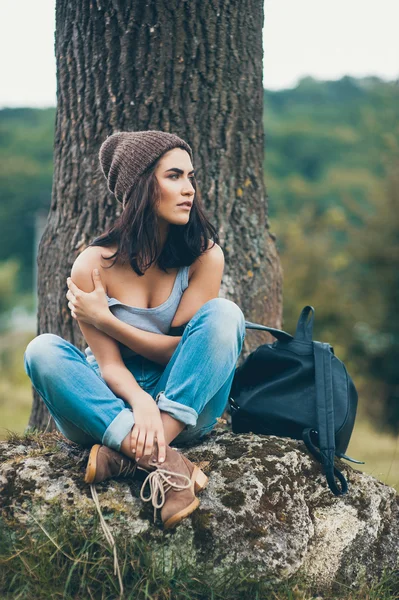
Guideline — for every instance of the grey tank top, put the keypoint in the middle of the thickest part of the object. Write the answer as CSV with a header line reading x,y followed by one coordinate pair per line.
x,y
157,319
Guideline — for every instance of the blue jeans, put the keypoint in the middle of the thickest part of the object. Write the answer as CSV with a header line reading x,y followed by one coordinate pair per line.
x,y
193,387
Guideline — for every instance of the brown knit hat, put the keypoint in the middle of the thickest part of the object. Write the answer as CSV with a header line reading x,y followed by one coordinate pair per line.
x,y
125,155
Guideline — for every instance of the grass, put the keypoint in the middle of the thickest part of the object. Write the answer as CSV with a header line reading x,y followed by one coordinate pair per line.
x,y
15,385
15,407
379,451
66,558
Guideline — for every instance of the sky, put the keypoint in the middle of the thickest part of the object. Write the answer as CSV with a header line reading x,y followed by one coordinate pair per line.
x,y
325,39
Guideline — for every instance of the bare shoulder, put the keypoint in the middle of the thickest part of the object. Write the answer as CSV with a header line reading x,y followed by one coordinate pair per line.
x,y
91,258
213,254
212,258
96,254
214,249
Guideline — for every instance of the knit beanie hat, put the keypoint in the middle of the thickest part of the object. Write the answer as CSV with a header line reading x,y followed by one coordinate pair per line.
x,y
125,155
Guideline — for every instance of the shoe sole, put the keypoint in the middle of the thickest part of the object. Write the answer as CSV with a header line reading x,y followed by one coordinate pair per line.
x,y
172,521
92,464
200,479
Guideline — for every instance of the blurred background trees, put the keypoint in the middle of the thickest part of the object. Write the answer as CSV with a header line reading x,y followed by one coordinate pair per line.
x,y
26,172
333,180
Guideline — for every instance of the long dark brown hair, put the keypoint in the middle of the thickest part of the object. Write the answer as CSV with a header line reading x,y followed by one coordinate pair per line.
x,y
137,235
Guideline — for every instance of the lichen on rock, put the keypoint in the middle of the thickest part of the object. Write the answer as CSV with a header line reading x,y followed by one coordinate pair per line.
x,y
267,505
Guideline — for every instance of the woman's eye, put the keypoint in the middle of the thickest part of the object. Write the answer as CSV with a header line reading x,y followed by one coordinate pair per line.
x,y
177,175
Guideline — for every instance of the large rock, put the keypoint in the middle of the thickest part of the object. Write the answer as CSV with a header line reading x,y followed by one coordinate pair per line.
x,y
266,506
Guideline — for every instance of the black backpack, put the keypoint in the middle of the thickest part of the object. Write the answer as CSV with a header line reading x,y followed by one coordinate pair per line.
x,y
297,388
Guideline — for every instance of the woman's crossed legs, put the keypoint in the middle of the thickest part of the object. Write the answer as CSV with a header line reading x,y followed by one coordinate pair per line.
x,y
192,389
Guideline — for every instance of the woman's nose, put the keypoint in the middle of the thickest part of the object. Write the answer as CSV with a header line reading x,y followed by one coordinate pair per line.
x,y
192,189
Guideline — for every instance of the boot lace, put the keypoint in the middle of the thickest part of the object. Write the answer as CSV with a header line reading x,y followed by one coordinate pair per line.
x,y
160,483
127,469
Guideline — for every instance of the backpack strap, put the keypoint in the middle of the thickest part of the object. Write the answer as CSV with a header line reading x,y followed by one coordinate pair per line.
x,y
304,328
283,336
325,419
313,449
341,455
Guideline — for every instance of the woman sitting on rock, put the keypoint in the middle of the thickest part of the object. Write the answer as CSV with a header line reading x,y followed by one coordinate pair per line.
x,y
162,345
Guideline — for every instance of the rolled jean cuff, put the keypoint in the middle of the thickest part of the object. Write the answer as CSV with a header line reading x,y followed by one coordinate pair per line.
x,y
178,411
118,429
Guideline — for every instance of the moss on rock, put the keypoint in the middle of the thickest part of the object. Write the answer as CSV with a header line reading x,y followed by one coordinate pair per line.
x,y
267,504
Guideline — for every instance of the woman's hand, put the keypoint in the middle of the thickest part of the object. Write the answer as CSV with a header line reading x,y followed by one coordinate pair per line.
x,y
89,307
148,427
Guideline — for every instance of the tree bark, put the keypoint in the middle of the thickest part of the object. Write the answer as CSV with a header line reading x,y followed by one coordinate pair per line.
x,y
191,68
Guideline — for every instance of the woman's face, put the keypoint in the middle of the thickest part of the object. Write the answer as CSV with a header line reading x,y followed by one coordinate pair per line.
x,y
175,174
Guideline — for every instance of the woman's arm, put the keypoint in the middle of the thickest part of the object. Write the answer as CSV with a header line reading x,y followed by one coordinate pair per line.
x,y
148,425
90,306
113,370
104,348
203,286
154,346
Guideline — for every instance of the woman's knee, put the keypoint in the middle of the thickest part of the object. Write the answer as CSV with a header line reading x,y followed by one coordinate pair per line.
x,y
41,349
227,317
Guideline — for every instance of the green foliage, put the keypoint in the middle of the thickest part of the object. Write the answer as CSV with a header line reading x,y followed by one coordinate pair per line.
x,y
8,281
331,176
375,250
15,385
26,170
334,135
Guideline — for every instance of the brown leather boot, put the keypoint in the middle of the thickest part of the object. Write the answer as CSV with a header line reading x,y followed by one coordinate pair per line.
x,y
172,485
105,463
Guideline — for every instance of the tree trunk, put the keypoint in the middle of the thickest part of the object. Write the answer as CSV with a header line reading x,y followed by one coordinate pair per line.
x,y
191,68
